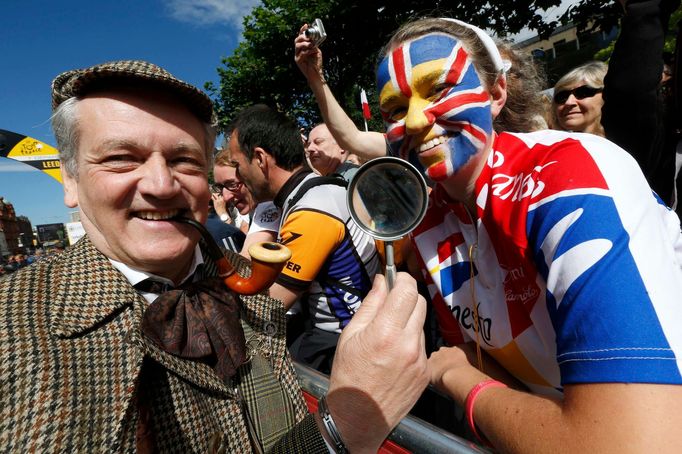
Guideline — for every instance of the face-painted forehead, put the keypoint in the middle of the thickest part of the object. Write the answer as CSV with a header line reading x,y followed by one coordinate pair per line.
x,y
433,46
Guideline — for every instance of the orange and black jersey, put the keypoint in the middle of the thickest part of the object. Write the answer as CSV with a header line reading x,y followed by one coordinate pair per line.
x,y
332,259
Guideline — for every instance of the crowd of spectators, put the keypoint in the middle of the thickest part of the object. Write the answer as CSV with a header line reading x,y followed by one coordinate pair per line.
x,y
13,263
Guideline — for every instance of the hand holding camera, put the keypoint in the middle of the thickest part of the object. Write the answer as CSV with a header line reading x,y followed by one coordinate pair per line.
x,y
315,33
307,54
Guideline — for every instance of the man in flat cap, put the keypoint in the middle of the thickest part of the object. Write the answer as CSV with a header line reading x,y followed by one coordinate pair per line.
x,y
92,361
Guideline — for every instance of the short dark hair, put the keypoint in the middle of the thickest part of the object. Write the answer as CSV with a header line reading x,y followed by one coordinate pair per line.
x,y
265,127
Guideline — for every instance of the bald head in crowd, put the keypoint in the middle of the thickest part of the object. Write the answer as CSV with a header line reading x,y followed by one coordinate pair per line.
x,y
324,153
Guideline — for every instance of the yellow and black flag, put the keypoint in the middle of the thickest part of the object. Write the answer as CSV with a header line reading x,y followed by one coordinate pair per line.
x,y
31,152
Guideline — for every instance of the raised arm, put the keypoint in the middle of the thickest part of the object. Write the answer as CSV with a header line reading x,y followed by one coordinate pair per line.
x,y
365,144
633,114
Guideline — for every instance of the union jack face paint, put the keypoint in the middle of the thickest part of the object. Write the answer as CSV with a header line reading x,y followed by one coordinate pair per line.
x,y
436,110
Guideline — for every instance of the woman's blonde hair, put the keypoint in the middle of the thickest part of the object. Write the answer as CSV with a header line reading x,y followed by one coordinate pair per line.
x,y
592,73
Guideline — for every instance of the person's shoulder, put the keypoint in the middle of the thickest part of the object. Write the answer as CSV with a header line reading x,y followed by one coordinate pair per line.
x,y
268,209
533,166
24,292
265,217
324,198
539,147
321,190
554,140
27,273
334,182
347,170
544,138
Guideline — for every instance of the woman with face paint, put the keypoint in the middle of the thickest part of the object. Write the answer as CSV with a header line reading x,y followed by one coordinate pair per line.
x,y
524,113
553,269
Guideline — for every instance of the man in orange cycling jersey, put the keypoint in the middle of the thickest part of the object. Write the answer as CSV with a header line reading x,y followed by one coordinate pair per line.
x,y
333,262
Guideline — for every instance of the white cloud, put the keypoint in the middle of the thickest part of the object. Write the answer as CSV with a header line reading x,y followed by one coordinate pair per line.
x,y
209,12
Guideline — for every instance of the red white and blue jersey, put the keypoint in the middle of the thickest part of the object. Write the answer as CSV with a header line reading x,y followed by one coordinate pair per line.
x,y
574,264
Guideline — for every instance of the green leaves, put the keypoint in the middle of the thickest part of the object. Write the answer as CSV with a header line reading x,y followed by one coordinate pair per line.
x,y
262,68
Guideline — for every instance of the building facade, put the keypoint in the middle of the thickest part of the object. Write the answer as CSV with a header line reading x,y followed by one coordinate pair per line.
x,y
26,239
566,48
9,226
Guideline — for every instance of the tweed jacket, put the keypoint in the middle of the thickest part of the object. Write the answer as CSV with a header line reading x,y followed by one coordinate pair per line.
x,y
72,357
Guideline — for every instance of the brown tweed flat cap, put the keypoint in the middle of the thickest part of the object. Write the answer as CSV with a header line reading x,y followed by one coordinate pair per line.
x,y
131,73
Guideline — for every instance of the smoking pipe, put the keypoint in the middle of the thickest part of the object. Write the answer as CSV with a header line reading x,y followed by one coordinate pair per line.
x,y
267,260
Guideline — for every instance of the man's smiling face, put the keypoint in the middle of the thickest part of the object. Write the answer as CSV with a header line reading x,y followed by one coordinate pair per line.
x,y
141,161
436,110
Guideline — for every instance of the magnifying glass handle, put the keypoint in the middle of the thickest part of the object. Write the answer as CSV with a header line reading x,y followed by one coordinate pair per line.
x,y
390,264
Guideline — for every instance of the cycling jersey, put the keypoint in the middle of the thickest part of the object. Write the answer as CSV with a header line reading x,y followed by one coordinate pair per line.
x,y
266,217
573,263
332,259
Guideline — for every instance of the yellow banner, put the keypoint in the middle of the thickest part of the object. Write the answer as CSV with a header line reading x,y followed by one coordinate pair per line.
x,y
32,152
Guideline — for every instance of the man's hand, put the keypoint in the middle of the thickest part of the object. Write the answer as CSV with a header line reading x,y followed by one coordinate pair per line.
x,y
379,369
308,57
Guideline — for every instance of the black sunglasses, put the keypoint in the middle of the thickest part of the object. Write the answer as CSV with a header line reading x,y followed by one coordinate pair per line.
x,y
581,92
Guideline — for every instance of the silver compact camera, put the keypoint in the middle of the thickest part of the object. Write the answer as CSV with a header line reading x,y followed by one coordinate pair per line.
x,y
316,33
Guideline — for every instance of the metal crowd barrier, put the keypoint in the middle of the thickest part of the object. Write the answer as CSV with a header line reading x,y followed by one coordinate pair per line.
x,y
412,434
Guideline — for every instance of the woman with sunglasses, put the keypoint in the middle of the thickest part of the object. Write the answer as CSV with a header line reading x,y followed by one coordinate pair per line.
x,y
552,268
578,99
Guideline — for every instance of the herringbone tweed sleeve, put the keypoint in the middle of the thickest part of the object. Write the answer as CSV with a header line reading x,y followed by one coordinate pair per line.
x,y
67,374
305,434
73,362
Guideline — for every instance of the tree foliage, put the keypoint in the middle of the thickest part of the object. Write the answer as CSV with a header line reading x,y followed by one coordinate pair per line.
x,y
262,67
586,15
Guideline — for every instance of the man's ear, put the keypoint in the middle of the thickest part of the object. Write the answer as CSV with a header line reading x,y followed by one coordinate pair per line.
x,y
70,189
498,96
260,156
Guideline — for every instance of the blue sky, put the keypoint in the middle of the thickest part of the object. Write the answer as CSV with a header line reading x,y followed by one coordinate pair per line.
x,y
40,39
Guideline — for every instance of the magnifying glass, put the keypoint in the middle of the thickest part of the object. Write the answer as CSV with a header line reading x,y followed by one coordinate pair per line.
x,y
387,198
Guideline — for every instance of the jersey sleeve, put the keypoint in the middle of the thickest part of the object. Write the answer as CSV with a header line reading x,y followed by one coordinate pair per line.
x,y
613,277
312,237
266,217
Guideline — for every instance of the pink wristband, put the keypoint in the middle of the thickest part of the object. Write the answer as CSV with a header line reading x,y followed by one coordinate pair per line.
x,y
471,399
